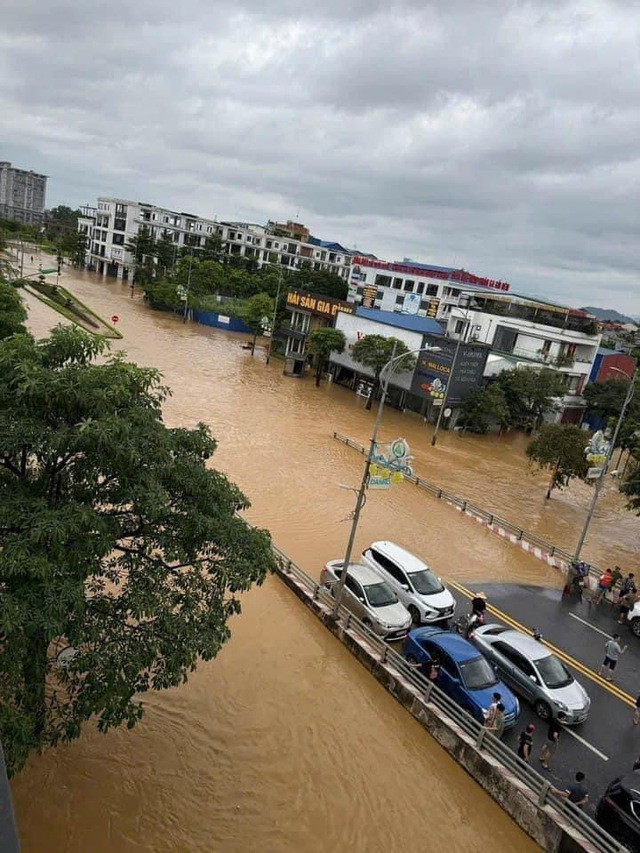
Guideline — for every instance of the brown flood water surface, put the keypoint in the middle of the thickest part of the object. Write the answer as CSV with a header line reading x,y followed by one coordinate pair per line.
x,y
285,742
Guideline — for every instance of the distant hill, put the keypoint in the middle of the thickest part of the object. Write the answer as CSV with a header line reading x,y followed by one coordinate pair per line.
x,y
609,315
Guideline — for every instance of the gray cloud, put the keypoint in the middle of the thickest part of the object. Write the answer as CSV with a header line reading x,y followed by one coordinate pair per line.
x,y
500,136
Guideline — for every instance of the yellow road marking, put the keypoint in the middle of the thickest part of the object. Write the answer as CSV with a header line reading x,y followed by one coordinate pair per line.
x,y
588,673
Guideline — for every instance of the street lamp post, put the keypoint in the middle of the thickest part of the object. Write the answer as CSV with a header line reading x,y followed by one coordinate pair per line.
x,y
385,378
600,481
186,298
275,311
454,362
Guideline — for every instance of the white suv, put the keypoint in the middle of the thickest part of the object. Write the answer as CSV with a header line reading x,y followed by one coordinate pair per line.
x,y
423,594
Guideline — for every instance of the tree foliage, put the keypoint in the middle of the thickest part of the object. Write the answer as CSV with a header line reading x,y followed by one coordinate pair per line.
x,y
257,314
484,408
606,399
12,311
530,393
560,450
374,351
116,541
321,343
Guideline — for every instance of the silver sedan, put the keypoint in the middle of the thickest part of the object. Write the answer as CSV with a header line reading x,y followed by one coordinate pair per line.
x,y
534,672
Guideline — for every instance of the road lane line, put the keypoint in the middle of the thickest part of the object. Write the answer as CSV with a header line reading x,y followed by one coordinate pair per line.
x,y
601,755
589,625
588,673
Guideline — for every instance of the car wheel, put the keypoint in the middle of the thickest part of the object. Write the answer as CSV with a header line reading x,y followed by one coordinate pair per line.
x,y
635,627
415,614
542,710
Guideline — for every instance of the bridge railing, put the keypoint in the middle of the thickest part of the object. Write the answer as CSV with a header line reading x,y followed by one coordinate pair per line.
x,y
430,693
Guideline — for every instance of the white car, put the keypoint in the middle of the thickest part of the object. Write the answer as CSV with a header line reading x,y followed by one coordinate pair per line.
x,y
369,598
423,594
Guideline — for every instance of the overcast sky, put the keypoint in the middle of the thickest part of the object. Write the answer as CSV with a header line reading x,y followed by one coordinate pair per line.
x,y
497,136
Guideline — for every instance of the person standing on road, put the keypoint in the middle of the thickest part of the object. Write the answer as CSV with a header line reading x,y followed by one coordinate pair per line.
x,y
625,603
576,792
489,720
498,721
603,585
628,584
612,652
553,736
526,743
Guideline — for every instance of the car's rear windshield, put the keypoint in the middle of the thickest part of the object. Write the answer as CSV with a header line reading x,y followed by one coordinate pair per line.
x,y
553,672
477,674
380,594
425,582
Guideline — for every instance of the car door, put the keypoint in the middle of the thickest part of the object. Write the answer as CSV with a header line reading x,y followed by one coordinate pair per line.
x,y
394,574
355,597
523,675
449,676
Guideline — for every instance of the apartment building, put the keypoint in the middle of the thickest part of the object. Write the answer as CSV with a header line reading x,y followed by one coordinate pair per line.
x,y
22,194
525,330
114,222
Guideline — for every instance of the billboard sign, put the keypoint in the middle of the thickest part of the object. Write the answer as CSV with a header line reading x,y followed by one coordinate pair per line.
x,y
432,377
323,306
411,303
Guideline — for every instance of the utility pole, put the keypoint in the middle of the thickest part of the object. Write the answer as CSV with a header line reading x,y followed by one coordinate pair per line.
x,y
385,378
603,473
275,311
186,299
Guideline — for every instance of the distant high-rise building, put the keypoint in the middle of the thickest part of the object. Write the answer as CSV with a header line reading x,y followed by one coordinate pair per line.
x,y
22,194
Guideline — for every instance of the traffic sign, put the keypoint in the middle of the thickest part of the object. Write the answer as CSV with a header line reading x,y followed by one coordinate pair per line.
x,y
115,318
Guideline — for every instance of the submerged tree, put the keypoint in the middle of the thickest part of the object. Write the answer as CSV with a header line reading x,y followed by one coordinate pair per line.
x,y
374,351
560,450
256,315
117,542
322,342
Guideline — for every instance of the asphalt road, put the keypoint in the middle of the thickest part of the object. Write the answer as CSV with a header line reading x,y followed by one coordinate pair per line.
x,y
607,743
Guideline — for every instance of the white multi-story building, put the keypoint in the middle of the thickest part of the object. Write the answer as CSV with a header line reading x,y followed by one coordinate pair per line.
x,y
523,330
114,222
22,194
408,287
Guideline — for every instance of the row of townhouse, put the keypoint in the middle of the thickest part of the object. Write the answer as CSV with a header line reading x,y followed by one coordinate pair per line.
x,y
111,226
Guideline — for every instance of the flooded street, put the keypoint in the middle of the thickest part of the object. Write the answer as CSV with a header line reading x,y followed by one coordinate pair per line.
x,y
285,742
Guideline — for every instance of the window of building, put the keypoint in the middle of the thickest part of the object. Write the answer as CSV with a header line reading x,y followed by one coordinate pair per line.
x,y
383,281
399,299
408,285
432,290
118,239
397,283
119,224
420,287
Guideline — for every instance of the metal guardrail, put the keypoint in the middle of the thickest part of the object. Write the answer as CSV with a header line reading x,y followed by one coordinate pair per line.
x,y
471,508
430,693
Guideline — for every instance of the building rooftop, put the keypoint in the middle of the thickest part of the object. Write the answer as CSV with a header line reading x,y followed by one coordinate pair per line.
x,y
410,322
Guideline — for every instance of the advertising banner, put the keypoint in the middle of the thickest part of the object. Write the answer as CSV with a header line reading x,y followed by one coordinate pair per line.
x,y
432,377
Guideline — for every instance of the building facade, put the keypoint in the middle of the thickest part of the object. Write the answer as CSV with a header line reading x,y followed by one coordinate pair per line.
x,y
411,288
525,331
115,222
22,194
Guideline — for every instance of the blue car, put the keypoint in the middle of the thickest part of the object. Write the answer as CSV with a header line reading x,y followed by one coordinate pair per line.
x,y
465,676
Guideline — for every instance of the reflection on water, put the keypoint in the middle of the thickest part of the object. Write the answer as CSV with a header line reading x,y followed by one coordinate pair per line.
x,y
284,742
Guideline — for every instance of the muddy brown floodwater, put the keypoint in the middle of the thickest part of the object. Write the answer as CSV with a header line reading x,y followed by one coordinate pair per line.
x,y
284,742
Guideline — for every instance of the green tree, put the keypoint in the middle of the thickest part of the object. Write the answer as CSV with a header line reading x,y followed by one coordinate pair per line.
x,y
374,351
530,393
483,408
631,485
12,311
213,249
257,314
560,450
605,399
165,251
322,342
117,542
321,281
143,248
